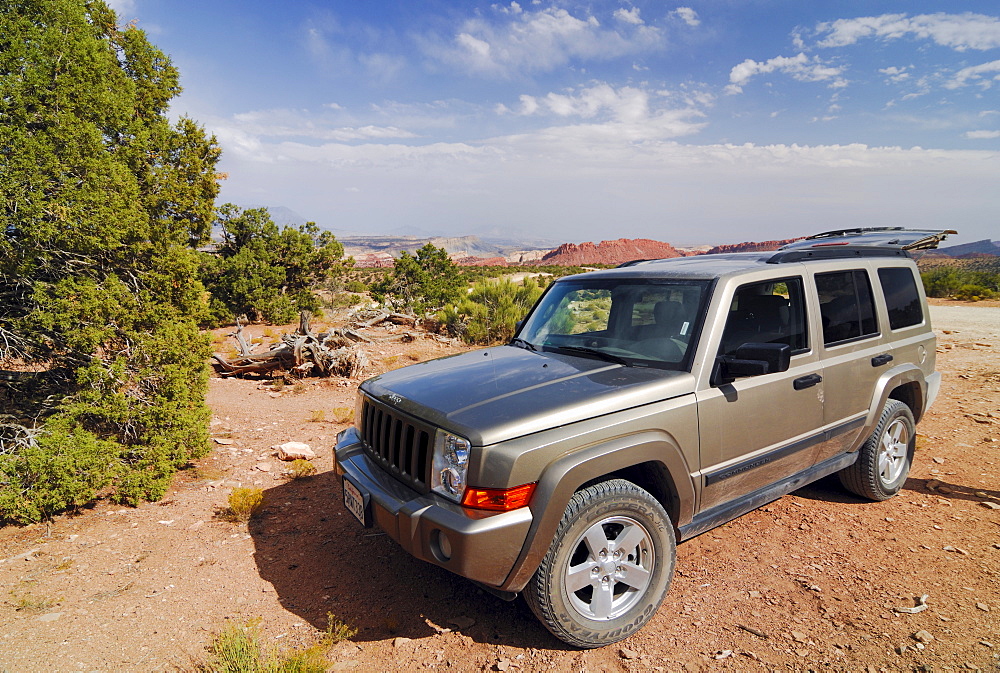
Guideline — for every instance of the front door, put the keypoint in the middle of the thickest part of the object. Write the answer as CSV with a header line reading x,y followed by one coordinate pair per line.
x,y
759,429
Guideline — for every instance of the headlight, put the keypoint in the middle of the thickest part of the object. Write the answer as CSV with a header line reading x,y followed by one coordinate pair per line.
x,y
451,463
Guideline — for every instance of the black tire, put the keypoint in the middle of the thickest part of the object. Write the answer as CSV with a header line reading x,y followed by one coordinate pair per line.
x,y
884,459
617,592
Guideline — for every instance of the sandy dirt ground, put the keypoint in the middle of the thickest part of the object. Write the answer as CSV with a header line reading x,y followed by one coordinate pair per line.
x,y
809,582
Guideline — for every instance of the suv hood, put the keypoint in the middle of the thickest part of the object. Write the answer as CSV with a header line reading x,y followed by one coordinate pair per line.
x,y
500,393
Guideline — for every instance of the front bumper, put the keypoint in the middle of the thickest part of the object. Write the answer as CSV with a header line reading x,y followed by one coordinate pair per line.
x,y
481,546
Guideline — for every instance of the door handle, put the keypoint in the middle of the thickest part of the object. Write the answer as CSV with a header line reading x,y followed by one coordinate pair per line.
x,y
804,382
880,360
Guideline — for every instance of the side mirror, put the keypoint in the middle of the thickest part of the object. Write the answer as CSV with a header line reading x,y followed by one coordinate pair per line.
x,y
751,359
518,325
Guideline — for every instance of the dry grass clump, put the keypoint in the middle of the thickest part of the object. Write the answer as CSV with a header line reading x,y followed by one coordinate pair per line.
x,y
244,503
300,468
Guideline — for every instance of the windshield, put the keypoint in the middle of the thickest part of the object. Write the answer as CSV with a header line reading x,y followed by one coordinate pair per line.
x,y
637,322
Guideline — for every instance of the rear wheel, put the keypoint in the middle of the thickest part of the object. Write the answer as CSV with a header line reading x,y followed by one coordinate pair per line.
x,y
608,567
884,459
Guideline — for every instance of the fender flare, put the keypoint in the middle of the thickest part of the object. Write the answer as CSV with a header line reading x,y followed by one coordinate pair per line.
x,y
565,476
889,381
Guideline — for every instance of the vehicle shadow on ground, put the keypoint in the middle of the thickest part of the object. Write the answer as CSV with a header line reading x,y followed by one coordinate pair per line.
x,y
829,489
320,560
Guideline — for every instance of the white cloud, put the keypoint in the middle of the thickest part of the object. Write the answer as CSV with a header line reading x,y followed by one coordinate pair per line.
x,y
629,16
977,74
594,182
264,124
688,16
957,31
122,7
981,135
896,74
539,41
800,67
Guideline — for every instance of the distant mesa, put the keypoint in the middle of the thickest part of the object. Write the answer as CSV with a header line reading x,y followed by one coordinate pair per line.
x,y
379,252
751,246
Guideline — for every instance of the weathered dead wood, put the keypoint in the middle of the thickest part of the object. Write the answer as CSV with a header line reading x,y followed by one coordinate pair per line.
x,y
302,353
394,318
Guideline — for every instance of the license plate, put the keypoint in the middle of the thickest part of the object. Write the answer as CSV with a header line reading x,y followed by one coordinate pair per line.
x,y
356,502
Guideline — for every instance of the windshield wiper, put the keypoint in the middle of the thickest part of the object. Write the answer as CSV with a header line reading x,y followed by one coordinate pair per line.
x,y
598,353
521,343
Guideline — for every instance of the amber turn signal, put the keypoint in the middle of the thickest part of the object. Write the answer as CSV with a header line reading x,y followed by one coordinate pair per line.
x,y
498,499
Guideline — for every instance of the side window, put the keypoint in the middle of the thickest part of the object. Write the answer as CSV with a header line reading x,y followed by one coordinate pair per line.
x,y
772,311
901,297
846,306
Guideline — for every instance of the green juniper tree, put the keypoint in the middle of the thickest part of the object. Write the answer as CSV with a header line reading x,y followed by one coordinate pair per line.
x,y
264,272
425,281
102,367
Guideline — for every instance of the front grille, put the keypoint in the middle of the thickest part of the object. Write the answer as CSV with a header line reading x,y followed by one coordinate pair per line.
x,y
399,443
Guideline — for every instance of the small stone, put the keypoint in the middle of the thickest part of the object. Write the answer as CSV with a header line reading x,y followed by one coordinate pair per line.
x,y
400,640
923,636
294,451
939,461
931,484
802,653
50,617
989,504
503,665
224,442
983,606
263,467
982,494
627,653
723,654
944,489
462,622
274,395
799,637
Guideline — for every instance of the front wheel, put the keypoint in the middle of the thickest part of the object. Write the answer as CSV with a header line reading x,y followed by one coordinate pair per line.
x,y
884,459
608,567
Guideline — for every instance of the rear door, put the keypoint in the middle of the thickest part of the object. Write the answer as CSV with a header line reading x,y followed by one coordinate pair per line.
x,y
854,349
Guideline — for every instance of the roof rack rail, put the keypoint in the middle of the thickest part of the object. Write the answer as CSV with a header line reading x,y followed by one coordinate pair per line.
x,y
840,252
899,238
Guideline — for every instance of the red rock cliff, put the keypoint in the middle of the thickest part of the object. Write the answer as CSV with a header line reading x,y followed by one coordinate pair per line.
x,y
609,252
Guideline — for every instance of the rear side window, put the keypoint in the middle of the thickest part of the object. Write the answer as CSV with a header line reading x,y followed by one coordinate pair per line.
x,y
846,306
901,297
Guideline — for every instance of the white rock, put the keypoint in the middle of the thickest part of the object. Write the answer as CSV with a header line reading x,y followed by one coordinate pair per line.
x,y
295,451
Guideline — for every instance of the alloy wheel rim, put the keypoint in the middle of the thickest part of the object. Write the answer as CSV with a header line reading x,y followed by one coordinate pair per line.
x,y
610,568
892,452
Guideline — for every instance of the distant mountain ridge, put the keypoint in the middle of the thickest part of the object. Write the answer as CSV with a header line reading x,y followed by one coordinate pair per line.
x,y
983,247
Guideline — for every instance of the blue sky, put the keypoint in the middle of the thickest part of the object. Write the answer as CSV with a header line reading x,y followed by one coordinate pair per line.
x,y
706,122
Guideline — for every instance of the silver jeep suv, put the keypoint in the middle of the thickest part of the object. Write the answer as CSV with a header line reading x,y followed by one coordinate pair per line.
x,y
643,405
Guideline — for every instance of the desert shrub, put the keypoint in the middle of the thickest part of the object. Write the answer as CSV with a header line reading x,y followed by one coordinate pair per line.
x,y
244,503
970,292
490,312
962,281
336,631
356,286
343,414
102,200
